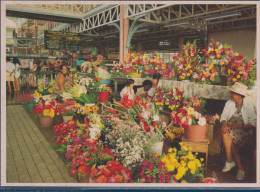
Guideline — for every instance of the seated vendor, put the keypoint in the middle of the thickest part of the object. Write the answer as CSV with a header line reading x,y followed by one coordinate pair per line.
x,y
143,91
238,117
102,75
155,82
128,90
60,81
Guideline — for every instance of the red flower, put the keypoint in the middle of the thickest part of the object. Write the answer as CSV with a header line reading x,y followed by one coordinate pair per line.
x,y
146,127
92,150
82,169
239,57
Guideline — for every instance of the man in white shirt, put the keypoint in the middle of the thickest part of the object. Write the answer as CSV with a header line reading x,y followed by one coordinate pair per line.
x,y
10,68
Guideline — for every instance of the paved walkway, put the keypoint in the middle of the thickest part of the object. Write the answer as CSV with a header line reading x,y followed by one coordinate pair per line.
x,y
29,159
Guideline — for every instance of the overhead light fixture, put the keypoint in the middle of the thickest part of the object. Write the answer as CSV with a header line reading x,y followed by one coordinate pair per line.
x,y
141,30
176,24
223,16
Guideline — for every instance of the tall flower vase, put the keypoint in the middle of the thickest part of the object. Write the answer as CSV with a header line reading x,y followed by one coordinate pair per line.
x,y
158,148
103,97
196,133
29,107
66,118
46,121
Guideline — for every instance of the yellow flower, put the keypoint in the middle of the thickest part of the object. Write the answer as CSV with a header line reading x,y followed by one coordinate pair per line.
x,y
191,165
216,50
201,159
234,79
238,76
185,148
236,54
184,181
192,171
170,150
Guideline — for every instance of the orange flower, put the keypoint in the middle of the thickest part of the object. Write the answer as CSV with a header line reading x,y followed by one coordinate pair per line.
x,y
212,78
119,178
105,171
101,179
82,169
213,70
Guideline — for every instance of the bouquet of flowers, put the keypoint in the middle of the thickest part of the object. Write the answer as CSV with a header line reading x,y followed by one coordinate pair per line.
x,y
187,62
46,109
68,108
183,165
174,99
174,133
216,53
206,75
26,98
197,103
187,116
117,70
129,143
159,97
154,171
104,88
45,86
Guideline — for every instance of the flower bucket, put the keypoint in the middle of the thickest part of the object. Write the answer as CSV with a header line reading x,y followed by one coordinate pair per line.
x,y
66,118
29,107
103,96
158,148
46,121
196,133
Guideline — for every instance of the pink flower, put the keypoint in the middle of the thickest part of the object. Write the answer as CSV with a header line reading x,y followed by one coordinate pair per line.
x,y
154,180
164,125
160,167
148,178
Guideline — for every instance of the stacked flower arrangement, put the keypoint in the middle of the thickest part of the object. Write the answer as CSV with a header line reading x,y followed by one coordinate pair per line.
x,y
26,98
187,62
183,165
172,99
67,108
45,86
238,69
89,161
46,109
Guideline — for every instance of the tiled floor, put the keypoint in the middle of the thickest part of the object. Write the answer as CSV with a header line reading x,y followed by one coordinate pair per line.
x,y
29,159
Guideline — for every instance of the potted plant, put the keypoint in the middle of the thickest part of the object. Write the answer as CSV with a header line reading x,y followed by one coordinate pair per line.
x,y
67,109
194,123
46,110
104,91
28,101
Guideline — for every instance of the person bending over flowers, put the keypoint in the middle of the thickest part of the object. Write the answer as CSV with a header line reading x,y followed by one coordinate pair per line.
x,y
237,118
128,90
143,91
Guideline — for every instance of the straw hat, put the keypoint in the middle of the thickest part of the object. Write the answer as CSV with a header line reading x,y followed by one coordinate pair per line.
x,y
239,88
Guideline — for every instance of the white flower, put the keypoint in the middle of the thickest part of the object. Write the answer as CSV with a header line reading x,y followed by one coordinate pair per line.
x,y
202,121
93,132
156,118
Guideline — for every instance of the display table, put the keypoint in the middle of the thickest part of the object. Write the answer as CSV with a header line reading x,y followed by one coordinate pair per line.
x,y
190,89
200,147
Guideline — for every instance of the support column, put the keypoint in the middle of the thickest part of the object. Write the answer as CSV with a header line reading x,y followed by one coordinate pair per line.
x,y
36,35
181,42
126,30
121,38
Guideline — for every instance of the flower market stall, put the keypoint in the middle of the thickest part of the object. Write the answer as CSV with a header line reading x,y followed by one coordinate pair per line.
x,y
111,141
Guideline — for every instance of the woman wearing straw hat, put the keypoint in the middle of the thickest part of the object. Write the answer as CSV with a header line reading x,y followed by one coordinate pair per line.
x,y
237,118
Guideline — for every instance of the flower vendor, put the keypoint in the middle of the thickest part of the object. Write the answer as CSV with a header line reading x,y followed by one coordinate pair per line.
x,y
128,90
102,75
143,91
59,85
155,82
237,119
